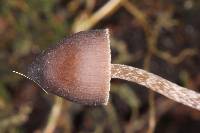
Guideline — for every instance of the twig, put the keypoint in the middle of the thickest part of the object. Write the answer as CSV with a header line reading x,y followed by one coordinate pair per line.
x,y
54,115
176,59
106,10
112,118
152,110
139,15
16,119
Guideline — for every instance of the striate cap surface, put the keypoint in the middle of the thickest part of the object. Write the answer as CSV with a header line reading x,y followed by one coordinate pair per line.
x,y
78,68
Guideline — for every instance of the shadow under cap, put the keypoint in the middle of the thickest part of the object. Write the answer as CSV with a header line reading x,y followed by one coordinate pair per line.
x,y
77,68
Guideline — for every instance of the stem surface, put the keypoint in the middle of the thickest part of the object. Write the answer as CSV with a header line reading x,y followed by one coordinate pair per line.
x,y
158,84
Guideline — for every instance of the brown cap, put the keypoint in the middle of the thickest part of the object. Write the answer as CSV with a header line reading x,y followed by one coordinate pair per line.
x,y
77,68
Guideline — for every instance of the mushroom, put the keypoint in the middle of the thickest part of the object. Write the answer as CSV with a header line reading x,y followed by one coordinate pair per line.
x,y
79,69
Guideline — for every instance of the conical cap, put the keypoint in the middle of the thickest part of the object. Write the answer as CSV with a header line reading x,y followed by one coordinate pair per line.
x,y
78,68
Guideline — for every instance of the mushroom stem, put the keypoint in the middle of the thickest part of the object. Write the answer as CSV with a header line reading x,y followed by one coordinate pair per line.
x,y
158,84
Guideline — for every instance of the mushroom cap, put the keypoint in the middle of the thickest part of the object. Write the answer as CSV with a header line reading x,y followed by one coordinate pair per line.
x,y
78,68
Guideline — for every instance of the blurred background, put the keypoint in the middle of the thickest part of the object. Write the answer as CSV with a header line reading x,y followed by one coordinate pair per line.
x,y
161,36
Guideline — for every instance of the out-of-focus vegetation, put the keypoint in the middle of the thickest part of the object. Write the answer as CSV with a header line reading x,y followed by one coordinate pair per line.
x,y
161,36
